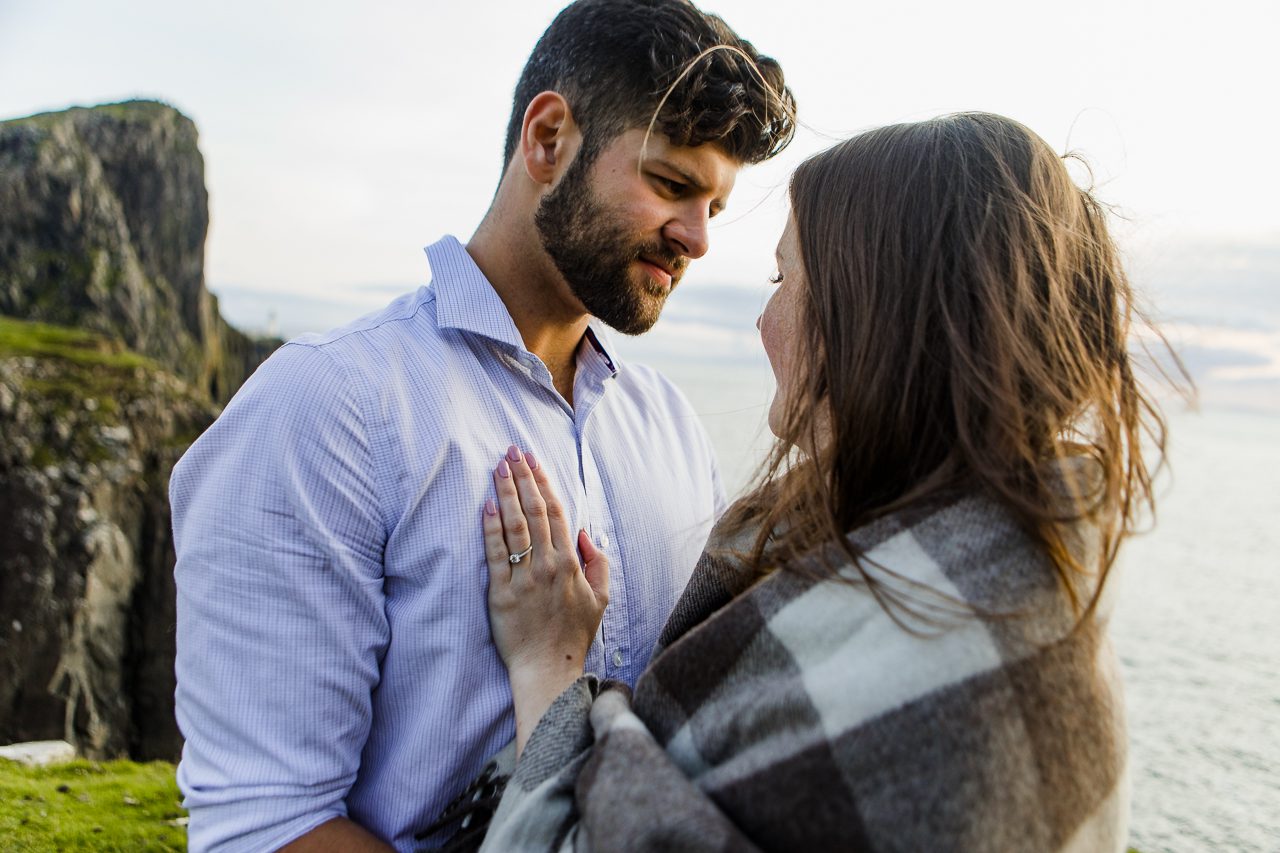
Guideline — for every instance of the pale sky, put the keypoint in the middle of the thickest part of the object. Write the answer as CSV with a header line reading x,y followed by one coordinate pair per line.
x,y
339,138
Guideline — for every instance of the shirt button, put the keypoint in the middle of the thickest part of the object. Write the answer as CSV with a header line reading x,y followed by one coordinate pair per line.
x,y
617,657
604,541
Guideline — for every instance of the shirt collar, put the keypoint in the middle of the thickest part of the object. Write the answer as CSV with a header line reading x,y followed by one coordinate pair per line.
x,y
464,297
598,341
466,300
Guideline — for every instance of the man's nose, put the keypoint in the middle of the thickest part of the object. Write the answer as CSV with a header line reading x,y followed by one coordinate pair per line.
x,y
688,235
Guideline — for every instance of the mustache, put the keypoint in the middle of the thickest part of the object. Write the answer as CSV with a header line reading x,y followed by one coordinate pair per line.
x,y
673,261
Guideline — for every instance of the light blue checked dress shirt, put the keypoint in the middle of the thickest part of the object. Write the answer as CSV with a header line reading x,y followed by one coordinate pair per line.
x,y
334,655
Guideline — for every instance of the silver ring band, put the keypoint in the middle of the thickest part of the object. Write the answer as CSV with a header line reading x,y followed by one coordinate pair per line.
x,y
515,558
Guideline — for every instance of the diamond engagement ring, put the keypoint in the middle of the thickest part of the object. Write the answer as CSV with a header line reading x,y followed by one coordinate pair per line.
x,y
515,558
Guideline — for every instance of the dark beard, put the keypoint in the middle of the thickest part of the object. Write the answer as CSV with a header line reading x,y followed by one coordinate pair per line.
x,y
591,248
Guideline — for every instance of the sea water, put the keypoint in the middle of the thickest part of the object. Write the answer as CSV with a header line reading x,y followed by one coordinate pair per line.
x,y
1197,627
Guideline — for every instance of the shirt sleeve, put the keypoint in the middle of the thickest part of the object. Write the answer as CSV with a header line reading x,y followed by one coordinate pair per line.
x,y
281,623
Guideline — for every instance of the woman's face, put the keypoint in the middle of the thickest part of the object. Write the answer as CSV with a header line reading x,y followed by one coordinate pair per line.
x,y
780,324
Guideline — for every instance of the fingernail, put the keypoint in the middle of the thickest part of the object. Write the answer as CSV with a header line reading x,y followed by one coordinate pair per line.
x,y
504,470
533,463
490,508
513,453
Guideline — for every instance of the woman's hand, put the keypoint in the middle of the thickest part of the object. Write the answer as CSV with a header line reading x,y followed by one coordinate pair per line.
x,y
545,607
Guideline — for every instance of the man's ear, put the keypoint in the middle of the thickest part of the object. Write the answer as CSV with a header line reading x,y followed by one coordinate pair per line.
x,y
549,137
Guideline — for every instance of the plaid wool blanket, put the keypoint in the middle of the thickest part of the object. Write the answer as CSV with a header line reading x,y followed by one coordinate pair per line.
x,y
796,714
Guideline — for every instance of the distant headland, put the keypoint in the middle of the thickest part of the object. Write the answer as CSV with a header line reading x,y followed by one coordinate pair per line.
x,y
113,358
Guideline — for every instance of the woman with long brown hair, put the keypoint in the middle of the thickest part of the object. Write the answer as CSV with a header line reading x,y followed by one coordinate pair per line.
x,y
897,638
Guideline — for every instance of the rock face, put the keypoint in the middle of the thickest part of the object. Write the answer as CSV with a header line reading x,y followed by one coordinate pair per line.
x,y
113,359
103,217
91,433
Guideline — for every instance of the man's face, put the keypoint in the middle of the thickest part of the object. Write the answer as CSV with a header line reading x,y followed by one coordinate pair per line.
x,y
622,230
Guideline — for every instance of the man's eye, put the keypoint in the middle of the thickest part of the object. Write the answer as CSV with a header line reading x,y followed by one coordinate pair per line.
x,y
673,187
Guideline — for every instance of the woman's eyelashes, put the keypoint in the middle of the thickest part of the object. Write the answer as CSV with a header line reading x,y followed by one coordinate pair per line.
x,y
776,278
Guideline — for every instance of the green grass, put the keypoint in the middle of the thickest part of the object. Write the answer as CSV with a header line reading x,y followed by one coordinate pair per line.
x,y
41,340
112,806
83,381
91,366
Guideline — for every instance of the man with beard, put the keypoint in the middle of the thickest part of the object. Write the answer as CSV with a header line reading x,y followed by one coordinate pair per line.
x,y
337,683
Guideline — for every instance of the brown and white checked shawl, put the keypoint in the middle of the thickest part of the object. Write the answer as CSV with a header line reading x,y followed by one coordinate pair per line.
x,y
794,714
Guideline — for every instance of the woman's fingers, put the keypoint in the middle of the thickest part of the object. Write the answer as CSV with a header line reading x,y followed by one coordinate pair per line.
x,y
515,525
595,566
545,609
528,518
537,510
531,521
557,520
495,543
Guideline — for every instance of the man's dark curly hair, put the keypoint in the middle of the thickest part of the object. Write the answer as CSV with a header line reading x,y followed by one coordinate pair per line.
x,y
616,61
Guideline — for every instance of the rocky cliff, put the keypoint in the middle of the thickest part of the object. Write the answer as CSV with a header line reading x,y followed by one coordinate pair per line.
x,y
103,218
91,433
113,358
